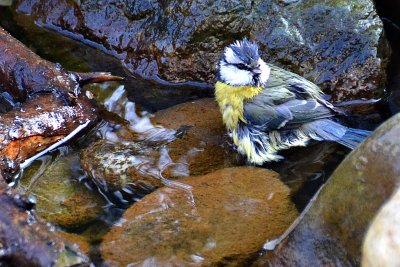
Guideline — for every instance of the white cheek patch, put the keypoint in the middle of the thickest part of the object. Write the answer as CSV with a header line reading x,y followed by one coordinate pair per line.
x,y
234,76
265,71
230,56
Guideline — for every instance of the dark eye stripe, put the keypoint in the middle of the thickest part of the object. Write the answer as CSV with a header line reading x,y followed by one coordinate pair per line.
x,y
242,66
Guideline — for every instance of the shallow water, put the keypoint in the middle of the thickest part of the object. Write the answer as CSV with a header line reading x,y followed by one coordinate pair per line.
x,y
130,105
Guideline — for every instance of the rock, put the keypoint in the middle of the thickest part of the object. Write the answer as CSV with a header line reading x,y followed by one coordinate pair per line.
x,y
202,141
223,219
199,146
77,240
333,43
382,244
123,166
61,199
332,230
26,240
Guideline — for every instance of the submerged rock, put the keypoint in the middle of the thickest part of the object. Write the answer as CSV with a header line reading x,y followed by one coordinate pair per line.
x,y
61,199
125,167
222,219
26,240
199,146
333,43
202,142
332,230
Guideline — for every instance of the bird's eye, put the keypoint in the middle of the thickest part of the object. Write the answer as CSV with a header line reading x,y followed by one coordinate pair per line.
x,y
241,66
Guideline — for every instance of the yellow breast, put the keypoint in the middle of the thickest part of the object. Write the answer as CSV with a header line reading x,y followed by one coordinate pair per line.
x,y
230,100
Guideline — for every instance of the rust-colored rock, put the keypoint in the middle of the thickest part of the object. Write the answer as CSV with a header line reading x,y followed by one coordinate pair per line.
x,y
202,141
39,123
76,240
224,219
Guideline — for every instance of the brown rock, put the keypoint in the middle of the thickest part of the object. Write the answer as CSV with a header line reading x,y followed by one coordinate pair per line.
x,y
203,142
77,240
332,231
200,146
223,219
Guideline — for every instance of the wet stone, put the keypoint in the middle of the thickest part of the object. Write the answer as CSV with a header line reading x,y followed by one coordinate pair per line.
x,y
222,218
28,241
77,241
126,166
202,142
61,199
332,231
199,145
333,43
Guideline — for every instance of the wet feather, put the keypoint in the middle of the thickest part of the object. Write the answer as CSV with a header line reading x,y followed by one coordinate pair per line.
x,y
267,109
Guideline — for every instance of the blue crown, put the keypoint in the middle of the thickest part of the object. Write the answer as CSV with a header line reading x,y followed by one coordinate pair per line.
x,y
245,50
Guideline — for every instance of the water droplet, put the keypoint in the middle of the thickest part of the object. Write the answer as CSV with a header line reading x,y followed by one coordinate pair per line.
x,y
358,166
50,227
31,220
197,258
363,159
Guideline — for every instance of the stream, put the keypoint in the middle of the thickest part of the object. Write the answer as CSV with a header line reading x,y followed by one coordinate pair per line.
x,y
140,127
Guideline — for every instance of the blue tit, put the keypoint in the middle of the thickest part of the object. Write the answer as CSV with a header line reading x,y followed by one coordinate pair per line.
x,y
267,109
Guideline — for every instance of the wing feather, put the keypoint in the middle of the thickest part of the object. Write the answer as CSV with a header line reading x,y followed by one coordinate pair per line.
x,y
287,102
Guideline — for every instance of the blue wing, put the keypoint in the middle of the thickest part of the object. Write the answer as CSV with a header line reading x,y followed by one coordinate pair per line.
x,y
287,102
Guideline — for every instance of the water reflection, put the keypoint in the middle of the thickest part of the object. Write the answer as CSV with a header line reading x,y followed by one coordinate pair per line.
x,y
137,122
130,159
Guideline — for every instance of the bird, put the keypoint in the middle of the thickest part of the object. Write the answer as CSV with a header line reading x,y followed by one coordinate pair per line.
x,y
267,109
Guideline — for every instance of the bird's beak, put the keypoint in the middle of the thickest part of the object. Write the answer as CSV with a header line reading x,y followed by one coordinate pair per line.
x,y
257,71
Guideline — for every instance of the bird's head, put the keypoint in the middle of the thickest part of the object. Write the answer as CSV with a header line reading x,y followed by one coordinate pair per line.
x,y
241,65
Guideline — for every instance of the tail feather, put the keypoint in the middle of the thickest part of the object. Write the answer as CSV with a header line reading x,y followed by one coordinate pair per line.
x,y
332,131
353,137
